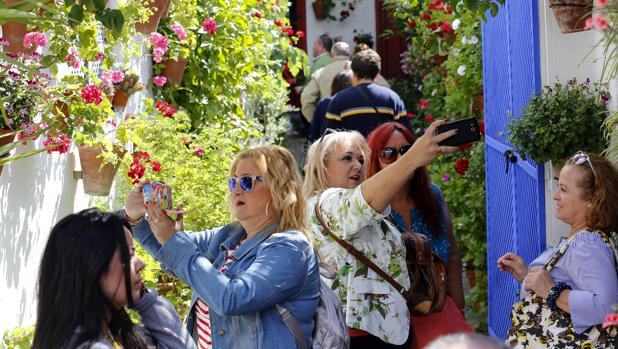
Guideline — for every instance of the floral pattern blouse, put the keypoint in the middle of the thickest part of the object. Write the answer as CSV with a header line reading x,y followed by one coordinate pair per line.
x,y
439,245
370,303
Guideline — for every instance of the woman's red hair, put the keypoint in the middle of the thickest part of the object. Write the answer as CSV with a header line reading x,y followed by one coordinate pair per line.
x,y
419,187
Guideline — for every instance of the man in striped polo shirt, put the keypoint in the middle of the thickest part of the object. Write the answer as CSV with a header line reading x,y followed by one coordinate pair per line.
x,y
365,105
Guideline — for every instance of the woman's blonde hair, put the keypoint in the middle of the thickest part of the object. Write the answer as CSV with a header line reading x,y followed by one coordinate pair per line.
x,y
280,175
318,153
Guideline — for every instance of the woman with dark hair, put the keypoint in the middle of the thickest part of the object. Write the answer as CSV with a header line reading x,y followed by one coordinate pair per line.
x,y
341,81
89,273
419,207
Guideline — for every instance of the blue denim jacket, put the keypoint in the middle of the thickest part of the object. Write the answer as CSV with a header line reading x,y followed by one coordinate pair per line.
x,y
268,269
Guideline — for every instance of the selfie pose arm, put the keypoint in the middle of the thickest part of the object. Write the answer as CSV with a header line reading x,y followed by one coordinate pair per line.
x,y
380,189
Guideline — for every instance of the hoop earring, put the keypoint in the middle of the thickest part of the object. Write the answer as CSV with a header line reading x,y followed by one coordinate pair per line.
x,y
266,211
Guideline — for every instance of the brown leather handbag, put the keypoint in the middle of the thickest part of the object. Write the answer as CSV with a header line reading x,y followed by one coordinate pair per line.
x,y
427,275
426,269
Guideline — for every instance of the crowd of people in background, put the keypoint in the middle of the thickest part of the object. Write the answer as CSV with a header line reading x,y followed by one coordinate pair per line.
x,y
256,280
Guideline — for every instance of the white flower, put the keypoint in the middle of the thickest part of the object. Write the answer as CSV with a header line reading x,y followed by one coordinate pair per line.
x,y
474,40
455,51
420,87
456,24
461,70
434,92
464,40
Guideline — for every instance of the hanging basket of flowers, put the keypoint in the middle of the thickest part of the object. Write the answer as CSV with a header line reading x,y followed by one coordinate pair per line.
x,y
97,174
571,15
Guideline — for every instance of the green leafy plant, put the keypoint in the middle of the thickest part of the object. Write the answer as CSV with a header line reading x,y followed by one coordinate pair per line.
x,y
563,119
465,197
18,338
464,68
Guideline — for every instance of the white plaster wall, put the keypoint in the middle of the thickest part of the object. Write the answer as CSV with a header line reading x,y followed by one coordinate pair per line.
x,y
35,193
362,20
562,57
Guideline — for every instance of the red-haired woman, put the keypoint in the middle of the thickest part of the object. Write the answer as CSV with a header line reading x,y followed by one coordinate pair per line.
x,y
419,207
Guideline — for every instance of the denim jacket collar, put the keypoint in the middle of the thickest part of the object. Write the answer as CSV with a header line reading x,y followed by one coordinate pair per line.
x,y
238,233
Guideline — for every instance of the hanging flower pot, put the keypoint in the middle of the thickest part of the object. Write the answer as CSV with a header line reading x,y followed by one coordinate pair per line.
x,y
4,140
571,15
174,70
98,178
320,9
120,99
151,25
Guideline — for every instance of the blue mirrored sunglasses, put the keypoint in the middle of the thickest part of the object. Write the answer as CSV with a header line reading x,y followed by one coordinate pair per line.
x,y
246,182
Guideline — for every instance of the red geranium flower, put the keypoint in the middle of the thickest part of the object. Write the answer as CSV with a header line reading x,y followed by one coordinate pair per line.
x,y
446,27
423,104
426,16
461,166
165,108
257,14
410,23
278,23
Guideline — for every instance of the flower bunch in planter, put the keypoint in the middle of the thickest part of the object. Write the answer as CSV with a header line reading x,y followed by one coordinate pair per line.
x,y
181,41
124,85
563,119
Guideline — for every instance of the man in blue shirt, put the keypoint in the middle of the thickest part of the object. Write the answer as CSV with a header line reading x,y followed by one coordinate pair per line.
x,y
366,105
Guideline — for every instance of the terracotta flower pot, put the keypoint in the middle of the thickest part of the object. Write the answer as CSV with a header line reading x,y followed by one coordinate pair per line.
x,y
320,9
97,179
174,70
120,99
571,15
4,141
151,25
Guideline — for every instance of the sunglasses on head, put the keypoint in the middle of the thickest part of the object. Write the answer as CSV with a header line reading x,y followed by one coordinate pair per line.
x,y
388,155
246,182
580,157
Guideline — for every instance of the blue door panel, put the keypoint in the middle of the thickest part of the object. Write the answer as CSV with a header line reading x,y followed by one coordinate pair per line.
x,y
515,199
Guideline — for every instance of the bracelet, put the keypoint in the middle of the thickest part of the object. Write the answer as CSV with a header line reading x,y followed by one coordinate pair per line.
x,y
554,293
132,221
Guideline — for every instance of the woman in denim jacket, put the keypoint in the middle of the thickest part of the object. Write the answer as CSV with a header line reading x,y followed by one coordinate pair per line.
x,y
356,211
241,271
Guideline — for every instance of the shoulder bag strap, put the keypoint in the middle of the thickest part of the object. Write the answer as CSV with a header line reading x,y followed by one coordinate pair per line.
x,y
359,256
293,326
367,98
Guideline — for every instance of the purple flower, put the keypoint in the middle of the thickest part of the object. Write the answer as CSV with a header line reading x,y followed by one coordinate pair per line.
x,y
446,177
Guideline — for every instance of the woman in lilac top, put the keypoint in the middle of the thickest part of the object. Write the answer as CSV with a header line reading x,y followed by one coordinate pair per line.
x,y
583,282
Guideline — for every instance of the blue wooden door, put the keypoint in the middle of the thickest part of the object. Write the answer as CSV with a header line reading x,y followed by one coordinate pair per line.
x,y
515,200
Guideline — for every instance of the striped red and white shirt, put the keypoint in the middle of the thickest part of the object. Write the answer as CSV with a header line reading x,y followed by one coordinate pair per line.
x,y
204,333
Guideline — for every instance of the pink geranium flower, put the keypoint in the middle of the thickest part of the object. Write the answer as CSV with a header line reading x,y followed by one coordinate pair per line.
x,y
159,80
179,30
601,3
117,77
37,38
72,58
210,26
92,94
423,104
611,320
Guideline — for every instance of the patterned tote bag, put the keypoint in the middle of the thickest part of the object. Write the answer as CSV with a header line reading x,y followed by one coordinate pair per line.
x,y
534,325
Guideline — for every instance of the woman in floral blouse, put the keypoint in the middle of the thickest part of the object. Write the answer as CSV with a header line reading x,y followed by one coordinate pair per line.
x,y
375,312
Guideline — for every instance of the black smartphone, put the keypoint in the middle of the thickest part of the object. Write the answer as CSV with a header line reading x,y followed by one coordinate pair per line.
x,y
467,131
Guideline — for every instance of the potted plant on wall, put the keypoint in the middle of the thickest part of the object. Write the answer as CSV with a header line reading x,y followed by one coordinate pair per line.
x,y
125,84
563,119
181,40
571,15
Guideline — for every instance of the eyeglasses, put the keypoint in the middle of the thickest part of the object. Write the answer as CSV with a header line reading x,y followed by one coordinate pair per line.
x,y
246,182
388,155
580,157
